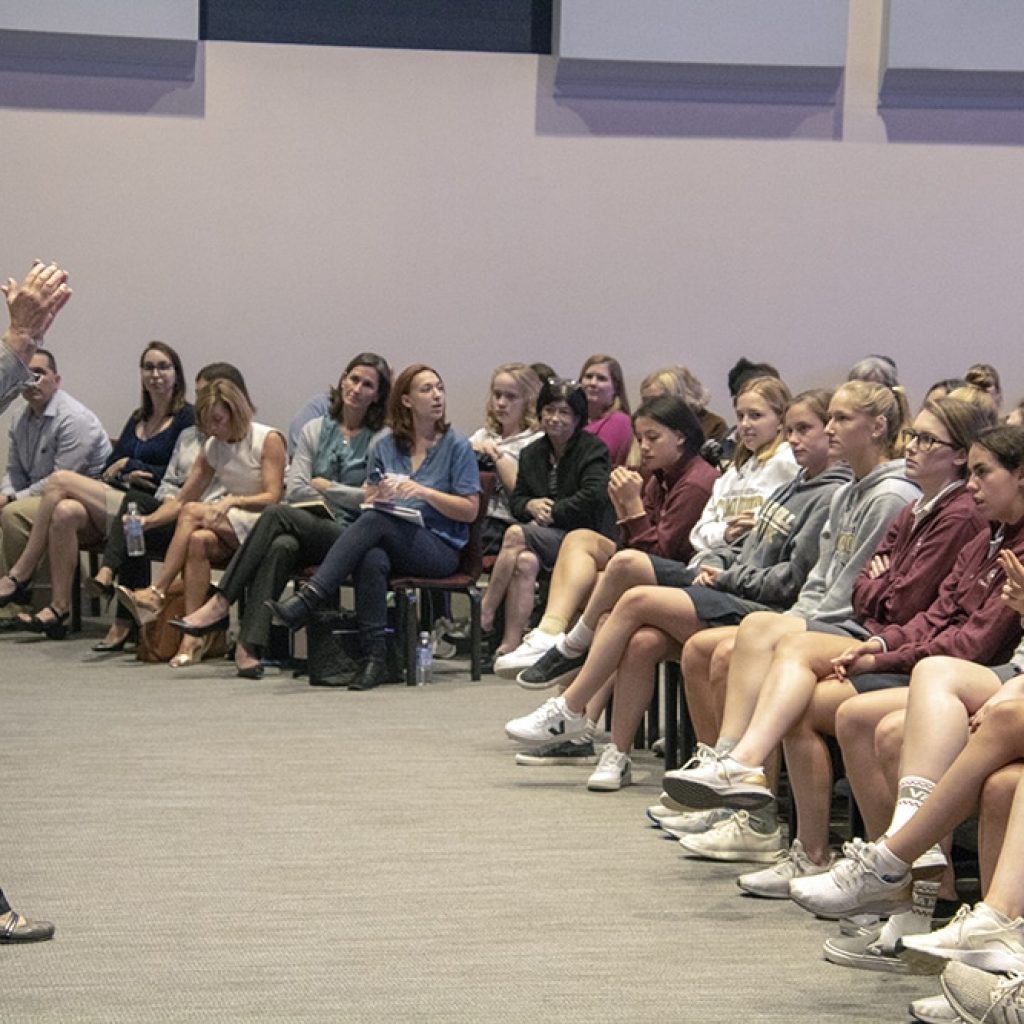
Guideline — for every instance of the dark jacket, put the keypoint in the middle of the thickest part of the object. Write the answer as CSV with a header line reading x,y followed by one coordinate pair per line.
x,y
581,495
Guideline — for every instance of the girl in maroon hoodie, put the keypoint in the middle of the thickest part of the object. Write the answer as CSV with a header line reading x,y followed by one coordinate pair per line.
x,y
949,684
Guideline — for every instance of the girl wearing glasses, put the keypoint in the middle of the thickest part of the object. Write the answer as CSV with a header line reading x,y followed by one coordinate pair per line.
x,y
77,508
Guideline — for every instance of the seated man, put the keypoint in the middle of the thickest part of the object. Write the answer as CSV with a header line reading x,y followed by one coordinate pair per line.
x,y
54,432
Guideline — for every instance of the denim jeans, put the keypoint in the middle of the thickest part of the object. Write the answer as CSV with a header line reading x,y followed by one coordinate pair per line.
x,y
374,547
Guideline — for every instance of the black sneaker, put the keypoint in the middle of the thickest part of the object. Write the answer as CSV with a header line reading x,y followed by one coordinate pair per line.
x,y
565,752
551,668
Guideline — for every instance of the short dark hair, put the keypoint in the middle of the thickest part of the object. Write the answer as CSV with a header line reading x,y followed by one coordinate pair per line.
x,y
555,390
745,370
675,414
48,356
225,371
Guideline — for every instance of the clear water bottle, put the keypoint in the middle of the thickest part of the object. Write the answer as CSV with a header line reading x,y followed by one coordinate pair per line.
x,y
133,532
424,659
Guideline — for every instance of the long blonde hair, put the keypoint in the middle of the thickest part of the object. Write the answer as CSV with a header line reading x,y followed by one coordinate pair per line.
x,y
528,384
777,396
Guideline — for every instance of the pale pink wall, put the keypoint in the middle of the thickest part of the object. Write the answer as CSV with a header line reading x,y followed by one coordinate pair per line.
x,y
302,203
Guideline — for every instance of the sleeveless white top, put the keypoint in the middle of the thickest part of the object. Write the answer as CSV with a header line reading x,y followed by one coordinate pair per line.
x,y
237,468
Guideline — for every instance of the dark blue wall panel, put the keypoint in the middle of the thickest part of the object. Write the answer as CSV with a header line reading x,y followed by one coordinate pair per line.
x,y
506,26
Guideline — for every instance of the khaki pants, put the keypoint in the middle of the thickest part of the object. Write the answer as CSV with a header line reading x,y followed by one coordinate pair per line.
x,y
16,519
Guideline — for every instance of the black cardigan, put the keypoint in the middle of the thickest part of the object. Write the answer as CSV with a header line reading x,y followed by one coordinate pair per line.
x,y
581,497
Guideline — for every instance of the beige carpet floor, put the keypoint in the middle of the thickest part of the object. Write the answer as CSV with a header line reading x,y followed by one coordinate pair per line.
x,y
214,849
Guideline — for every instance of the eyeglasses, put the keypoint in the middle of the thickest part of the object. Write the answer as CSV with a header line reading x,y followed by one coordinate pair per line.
x,y
924,442
157,367
564,382
551,412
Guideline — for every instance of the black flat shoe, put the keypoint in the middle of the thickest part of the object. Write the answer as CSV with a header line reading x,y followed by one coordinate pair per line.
x,y
54,629
112,646
297,610
252,672
19,595
189,630
98,591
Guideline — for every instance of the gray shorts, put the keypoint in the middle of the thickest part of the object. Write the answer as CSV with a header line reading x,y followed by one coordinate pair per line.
x,y
1006,672
545,542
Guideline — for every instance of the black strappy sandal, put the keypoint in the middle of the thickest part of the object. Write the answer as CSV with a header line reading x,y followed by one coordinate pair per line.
x,y
55,628
19,595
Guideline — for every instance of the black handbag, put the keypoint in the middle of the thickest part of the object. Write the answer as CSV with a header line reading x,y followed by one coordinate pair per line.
x,y
333,648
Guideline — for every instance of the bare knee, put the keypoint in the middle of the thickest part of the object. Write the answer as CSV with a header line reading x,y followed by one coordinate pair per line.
x,y
999,789
628,566
199,543
721,658
889,738
527,565
59,482
67,514
648,642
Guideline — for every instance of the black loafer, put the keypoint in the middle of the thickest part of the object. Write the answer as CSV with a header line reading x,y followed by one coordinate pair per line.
x,y
20,929
189,630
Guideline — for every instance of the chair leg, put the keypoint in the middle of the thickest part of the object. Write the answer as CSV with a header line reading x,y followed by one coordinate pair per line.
x,y
76,599
476,640
94,567
672,678
408,601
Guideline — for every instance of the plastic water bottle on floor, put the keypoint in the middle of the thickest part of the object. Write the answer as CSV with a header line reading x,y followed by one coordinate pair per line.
x,y
424,659
133,533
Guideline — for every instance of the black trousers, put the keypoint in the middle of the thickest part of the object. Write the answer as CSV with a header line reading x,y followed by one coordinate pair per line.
x,y
284,540
135,572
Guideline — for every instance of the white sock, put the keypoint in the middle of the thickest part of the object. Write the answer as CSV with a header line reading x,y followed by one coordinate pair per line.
x,y
577,641
889,865
566,710
912,792
917,921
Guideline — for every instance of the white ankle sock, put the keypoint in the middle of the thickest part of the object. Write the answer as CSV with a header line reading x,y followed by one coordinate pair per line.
x,y
577,640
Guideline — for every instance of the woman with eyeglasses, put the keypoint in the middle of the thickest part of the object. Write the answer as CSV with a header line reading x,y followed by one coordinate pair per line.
x,y
607,406
76,508
925,590
562,486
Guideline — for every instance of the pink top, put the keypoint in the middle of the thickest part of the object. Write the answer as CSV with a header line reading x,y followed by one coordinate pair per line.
x,y
615,428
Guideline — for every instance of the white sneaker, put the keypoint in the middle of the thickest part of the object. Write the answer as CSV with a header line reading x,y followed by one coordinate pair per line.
x,y
854,885
534,644
934,1010
979,996
656,812
981,937
693,823
773,883
613,771
859,924
734,839
551,722
710,779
